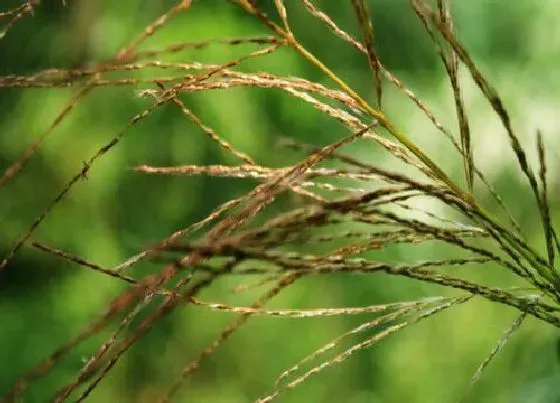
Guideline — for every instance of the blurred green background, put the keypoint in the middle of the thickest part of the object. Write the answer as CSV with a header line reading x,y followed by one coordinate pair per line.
x,y
117,212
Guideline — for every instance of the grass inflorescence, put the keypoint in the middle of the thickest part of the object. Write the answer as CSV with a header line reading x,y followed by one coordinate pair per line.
x,y
346,209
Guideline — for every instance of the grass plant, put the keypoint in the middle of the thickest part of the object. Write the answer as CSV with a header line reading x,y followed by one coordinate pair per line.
x,y
348,206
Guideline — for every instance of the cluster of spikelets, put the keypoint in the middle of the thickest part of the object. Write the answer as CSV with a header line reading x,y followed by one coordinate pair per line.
x,y
231,245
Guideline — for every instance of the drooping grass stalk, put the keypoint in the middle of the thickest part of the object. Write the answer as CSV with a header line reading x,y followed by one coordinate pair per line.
x,y
383,121
375,114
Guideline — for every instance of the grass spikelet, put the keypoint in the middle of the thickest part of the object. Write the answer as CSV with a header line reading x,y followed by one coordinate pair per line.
x,y
16,14
545,208
151,29
11,172
450,62
508,334
366,27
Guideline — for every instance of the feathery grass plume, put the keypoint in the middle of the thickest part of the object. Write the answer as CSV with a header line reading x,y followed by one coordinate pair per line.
x,y
267,193
348,214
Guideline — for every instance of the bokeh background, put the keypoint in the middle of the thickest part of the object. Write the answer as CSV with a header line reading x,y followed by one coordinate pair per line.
x,y
117,212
